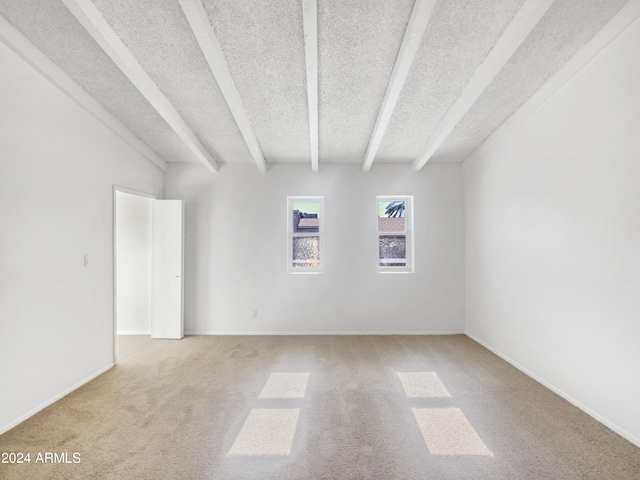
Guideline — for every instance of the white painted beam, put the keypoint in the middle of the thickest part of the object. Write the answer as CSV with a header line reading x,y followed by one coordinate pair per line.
x,y
628,15
310,19
26,50
420,15
95,24
516,32
199,22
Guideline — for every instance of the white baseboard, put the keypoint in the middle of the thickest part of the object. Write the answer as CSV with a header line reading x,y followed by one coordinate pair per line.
x,y
620,431
456,332
31,413
134,332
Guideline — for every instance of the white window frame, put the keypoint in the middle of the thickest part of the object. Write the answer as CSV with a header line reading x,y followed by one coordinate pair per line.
x,y
408,233
291,234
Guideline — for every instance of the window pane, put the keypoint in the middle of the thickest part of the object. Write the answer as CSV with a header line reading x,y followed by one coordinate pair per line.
x,y
306,217
391,216
306,252
393,251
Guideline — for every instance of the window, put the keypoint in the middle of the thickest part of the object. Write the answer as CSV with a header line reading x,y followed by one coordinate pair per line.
x,y
395,234
305,234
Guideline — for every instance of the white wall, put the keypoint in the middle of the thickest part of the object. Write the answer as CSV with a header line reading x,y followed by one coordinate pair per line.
x,y
133,258
57,169
553,240
236,245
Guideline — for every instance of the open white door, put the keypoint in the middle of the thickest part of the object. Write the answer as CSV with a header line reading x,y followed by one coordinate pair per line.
x,y
166,269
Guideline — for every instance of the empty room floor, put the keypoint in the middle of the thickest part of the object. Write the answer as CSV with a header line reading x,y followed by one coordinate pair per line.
x,y
321,407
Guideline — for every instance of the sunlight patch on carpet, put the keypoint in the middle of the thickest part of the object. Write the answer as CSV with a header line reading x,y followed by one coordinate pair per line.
x,y
285,385
423,385
448,433
267,432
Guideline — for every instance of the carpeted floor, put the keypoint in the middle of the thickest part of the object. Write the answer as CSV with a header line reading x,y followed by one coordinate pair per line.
x,y
316,407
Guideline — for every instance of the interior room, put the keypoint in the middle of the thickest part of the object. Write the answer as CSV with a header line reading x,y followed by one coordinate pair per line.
x,y
319,239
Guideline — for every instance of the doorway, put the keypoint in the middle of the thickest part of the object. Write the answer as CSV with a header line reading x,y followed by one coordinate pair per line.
x,y
148,258
132,270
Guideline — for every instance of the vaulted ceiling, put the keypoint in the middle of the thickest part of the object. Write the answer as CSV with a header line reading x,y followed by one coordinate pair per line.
x,y
302,81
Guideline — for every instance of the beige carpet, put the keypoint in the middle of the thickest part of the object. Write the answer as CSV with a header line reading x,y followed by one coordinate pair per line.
x,y
383,407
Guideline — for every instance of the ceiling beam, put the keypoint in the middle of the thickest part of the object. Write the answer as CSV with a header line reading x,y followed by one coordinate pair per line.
x,y
310,19
516,32
420,15
199,22
26,50
95,24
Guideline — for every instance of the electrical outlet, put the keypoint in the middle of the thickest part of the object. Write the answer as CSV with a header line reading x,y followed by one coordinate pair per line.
x,y
254,313
86,260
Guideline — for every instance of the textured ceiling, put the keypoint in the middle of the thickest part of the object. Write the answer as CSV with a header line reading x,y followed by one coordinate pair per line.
x,y
262,46
264,49
357,47
566,27
158,35
53,30
458,38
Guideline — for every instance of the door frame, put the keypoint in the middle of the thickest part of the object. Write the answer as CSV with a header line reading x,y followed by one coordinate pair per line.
x,y
117,188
